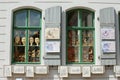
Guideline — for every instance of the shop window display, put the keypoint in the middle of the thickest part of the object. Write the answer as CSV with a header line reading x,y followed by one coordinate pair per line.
x,y
26,36
80,36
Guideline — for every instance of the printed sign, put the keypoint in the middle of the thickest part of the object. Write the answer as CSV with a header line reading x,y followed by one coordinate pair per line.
x,y
86,71
117,69
97,69
74,69
18,69
108,33
19,79
41,69
63,71
52,33
52,46
29,71
7,71
108,46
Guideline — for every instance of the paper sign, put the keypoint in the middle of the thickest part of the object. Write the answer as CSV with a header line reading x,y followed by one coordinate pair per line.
x,y
41,69
63,71
52,33
7,71
18,69
52,46
19,79
108,33
108,46
117,69
29,71
97,69
86,71
74,69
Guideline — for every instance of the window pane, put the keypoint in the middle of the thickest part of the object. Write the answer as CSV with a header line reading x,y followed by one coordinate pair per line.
x,y
87,46
34,18
87,54
87,19
72,18
73,46
20,18
34,46
87,37
19,45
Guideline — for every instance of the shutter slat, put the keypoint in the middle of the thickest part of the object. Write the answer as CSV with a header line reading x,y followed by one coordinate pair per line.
x,y
53,16
107,16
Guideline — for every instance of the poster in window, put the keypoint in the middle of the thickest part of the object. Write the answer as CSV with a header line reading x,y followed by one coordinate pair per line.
x,y
108,33
86,72
18,69
52,33
7,71
41,69
29,71
52,46
63,71
108,46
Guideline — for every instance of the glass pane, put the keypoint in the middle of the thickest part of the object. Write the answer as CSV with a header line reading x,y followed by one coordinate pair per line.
x,y
87,19
72,18
73,45
20,18
87,54
19,45
87,38
34,46
87,46
34,18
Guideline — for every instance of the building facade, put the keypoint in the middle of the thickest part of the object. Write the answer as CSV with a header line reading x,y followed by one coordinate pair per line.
x,y
59,40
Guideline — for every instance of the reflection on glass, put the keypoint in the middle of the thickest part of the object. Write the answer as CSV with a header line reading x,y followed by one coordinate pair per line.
x,y
34,18
19,45
87,19
87,46
72,18
34,46
20,18
73,45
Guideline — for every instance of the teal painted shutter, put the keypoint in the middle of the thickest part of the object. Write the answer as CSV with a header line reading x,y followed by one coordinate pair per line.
x,y
107,20
53,16
107,17
53,20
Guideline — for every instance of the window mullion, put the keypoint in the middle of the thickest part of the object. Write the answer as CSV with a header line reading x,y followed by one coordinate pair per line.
x,y
26,52
80,21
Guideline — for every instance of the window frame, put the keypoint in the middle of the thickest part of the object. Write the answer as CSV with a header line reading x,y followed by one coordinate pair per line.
x,y
26,28
80,28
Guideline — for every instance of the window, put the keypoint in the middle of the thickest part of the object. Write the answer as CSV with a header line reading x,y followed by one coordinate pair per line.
x,y
80,36
26,36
